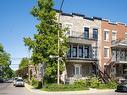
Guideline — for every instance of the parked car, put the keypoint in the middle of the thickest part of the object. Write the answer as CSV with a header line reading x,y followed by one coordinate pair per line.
x,y
14,81
1,80
122,87
19,82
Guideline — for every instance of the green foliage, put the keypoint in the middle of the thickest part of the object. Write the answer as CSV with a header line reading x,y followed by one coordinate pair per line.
x,y
64,87
8,72
82,83
5,62
22,72
110,85
23,68
37,84
24,63
45,40
94,82
4,57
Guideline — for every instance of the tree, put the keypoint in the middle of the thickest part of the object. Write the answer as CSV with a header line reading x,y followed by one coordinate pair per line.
x,y
24,63
45,40
4,57
5,62
23,68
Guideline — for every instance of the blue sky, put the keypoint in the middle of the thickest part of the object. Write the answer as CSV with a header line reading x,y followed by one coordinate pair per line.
x,y
16,21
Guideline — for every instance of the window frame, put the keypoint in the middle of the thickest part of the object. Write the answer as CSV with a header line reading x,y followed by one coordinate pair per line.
x,y
69,26
106,35
94,32
77,66
108,52
86,33
74,47
80,53
115,35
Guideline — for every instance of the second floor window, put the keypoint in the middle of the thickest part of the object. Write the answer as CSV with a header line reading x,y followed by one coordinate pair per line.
x,y
94,52
69,30
113,36
81,51
69,52
106,35
86,52
86,32
95,33
74,51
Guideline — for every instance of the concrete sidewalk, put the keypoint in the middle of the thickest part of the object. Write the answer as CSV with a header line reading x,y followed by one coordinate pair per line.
x,y
40,92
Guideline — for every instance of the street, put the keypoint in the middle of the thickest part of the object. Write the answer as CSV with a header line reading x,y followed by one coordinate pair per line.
x,y
9,89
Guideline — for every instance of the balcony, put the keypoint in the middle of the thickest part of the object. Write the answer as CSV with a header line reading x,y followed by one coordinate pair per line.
x,y
119,56
119,43
81,60
76,38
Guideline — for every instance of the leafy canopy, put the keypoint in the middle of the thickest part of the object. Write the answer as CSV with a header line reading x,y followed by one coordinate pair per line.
x,y
45,41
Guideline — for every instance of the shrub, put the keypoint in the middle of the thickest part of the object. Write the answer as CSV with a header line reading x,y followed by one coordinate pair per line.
x,y
110,85
64,87
94,82
82,83
37,84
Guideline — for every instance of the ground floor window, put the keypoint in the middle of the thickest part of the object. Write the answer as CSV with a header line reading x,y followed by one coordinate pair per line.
x,y
125,69
77,69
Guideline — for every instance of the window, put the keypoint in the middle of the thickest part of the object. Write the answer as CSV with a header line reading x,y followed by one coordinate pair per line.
x,y
74,51
95,33
69,52
77,69
81,51
125,34
106,52
86,52
113,36
86,32
94,52
69,31
106,35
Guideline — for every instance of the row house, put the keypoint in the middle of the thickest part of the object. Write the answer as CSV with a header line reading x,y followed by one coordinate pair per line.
x,y
94,43
114,48
84,40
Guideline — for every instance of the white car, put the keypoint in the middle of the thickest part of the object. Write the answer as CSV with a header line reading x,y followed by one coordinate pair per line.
x,y
15,80
19,82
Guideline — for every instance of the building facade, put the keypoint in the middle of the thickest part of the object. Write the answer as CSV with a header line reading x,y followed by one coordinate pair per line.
x,y
94,44
84,40
114,48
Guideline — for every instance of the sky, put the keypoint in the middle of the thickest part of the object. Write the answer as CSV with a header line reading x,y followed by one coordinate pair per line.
x,y
16,22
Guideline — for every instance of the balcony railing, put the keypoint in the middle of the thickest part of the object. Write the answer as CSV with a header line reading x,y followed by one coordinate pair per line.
x,y
81,59
75,34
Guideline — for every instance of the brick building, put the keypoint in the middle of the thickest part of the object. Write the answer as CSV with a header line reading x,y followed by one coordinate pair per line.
x,y
94,43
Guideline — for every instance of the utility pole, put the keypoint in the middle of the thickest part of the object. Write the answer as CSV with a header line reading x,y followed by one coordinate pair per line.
x,y
58,65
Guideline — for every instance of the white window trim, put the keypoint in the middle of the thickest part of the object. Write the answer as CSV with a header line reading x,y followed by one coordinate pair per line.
x,y
66,23
79,66
106,30
108,51
86,27
113,31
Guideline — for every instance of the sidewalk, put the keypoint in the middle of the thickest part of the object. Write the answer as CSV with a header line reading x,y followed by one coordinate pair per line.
x,y
40,92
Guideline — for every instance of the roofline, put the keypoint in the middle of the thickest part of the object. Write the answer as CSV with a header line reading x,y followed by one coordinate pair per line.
x,y
89,18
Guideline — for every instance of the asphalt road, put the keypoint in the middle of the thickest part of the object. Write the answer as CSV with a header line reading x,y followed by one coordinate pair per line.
x,y
9,89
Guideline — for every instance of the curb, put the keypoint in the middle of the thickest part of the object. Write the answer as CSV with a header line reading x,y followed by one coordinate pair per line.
x,y
66,92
